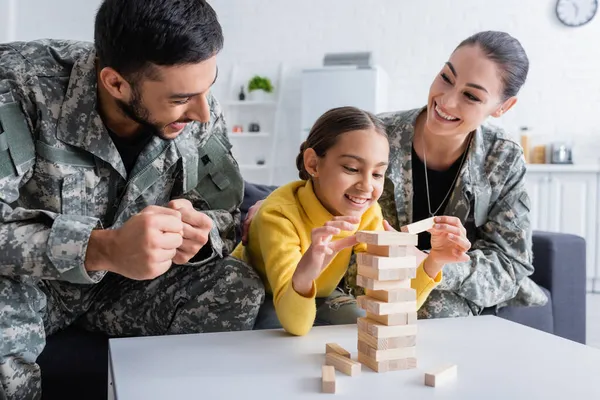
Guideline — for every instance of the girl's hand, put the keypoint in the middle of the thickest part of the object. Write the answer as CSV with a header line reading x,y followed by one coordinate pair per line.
x,y
321,251
449,244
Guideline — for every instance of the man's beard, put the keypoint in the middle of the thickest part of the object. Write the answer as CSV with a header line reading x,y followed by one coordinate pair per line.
x,y
136,111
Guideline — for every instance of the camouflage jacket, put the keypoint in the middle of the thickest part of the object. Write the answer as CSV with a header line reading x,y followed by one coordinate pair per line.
x,y
61,176
491,201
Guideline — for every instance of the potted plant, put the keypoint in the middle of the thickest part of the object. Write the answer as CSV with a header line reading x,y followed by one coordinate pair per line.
x,y
259,88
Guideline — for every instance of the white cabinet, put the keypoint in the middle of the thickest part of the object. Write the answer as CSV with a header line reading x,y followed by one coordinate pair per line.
x,y
564,198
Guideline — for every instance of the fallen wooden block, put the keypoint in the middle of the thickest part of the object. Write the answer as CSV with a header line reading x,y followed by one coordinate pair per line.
x,y
374,284
382,308
441,375
389,251
387,354
385,238
388,365
387,343
342,364
383,331
407,318
336,348
379,262
387,274
419,226
327,379
393,295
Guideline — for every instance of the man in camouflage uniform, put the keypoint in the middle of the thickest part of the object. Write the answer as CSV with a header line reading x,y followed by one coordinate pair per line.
x,y
96,142
491,201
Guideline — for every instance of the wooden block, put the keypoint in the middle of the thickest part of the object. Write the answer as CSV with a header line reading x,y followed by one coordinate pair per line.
x,y
378,330
342,364
409,318
387,343
374,284
382,308
327,379
379,262
387,274
394,295
387,354
389,251
336,348
419,226
385,238
441,375
388,365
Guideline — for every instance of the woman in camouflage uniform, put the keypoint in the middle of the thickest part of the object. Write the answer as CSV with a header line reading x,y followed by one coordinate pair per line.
x,y
444,162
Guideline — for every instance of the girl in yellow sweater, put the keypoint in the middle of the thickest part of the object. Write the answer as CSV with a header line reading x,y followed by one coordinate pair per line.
x,y
302,239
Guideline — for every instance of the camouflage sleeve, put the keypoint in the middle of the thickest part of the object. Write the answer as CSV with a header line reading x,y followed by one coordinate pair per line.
x,y
35,243
501,255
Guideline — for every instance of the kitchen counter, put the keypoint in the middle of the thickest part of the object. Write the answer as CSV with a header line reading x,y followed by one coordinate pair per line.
x,y
563,167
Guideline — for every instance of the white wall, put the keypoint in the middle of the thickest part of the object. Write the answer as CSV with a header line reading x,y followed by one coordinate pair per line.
x,y
409,39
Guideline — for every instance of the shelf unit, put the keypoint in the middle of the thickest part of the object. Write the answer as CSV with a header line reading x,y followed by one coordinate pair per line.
x,y
255,151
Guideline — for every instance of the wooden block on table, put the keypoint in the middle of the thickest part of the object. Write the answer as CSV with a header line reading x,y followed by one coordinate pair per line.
x,y
419,226
389,251
385,238
381,262
336,348
387,354
327,379
342,364
378,330
374,284
393,295
387,274
388,365
382,308
387,343
441,375
408,318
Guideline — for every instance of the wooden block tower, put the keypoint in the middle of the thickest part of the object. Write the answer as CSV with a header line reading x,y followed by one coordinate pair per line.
x,y
387,335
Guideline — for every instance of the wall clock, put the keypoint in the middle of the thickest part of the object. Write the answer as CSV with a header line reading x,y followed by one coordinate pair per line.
x,y
576,12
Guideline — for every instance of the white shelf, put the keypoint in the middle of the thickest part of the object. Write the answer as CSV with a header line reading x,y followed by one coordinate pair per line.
x,y
270,103
249,135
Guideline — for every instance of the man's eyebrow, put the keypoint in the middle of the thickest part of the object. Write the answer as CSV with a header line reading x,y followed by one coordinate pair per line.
x,y
186,95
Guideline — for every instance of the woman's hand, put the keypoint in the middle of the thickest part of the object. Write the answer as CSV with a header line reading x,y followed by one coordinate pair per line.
x,y
449,244
412,249
321,251
248,220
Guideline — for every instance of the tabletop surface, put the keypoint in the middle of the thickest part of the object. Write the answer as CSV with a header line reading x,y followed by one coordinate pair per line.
x,y
496,359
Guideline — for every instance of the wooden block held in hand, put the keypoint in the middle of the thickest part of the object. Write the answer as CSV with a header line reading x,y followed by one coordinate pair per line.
x,y
393,295
387,343
384,238
387,274
381,262
389,251
388,365
342,364
441,375
336,348
382,308
374,284
419,226
383,331
327,379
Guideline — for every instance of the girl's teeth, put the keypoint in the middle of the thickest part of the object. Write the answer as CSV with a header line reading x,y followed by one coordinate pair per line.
x,y
444,115
357,200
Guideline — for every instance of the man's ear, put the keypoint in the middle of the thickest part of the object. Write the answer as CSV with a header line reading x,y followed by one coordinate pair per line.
x,y
504,107
311,162
115,84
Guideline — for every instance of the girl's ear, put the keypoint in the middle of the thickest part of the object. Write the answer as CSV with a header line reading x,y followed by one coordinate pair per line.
x,y
311,161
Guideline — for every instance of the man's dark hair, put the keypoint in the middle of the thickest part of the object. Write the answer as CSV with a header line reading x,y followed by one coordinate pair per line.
x,y
132,35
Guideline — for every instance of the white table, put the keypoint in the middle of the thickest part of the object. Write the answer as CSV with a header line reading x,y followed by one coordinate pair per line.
x,y
496,359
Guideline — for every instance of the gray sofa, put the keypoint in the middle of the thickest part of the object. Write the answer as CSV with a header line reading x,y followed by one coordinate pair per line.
x,y
74,363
